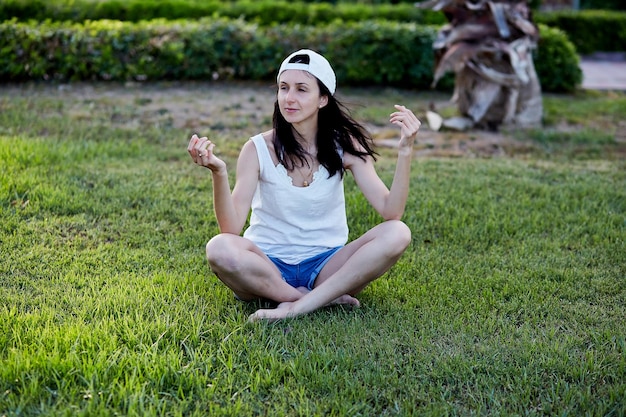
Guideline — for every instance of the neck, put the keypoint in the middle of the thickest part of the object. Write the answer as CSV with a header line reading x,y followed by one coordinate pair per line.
x,y
307,139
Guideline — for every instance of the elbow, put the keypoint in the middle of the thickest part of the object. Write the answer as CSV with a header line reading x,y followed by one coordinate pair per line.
x,y
393,210
229,232
393,216
230,229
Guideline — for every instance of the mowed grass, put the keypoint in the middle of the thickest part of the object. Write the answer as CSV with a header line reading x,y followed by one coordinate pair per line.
x,y
511,299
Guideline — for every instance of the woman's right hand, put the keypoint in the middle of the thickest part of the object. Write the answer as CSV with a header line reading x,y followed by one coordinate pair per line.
x,y
201,151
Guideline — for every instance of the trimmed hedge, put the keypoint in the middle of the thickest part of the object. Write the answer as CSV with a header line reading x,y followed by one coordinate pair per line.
x,y
590,31
263,12
556,61
603,4
364,53
385,53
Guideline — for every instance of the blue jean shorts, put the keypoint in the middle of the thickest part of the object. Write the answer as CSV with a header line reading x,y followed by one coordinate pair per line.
x,y
304,273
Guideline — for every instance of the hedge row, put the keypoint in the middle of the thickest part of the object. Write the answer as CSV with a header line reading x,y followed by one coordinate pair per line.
x,y
263,12
590,30
364,53
603,4
556,61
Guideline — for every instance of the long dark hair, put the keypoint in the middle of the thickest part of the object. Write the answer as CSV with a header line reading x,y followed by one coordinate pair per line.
x,y
336,129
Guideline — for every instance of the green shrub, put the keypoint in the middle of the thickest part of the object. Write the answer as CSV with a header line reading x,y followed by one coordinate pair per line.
x,y
206,49
383,53
264,12
590,30
556,61
603,4
366,53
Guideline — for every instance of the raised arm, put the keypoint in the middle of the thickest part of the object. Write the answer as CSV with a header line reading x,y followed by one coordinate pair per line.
x,y
231,209
389,203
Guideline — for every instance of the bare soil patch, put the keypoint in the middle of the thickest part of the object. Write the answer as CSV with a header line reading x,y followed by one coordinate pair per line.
x,y
238,110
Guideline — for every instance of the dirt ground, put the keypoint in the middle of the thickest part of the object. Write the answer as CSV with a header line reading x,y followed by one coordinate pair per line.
x,y
242,109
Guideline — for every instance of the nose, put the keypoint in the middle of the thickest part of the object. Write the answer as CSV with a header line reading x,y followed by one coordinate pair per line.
x,y
289,96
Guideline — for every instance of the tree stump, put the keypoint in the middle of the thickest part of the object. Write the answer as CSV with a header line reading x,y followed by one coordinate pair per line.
x,y
488,45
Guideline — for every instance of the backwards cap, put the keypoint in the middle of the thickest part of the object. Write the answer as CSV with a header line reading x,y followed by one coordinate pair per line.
x,y
313,63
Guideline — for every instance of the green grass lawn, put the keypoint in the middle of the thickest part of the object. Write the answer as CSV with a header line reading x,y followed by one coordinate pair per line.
x,y
510,301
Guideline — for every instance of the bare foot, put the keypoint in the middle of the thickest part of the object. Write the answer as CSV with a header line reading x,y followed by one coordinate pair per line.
x,y
346,299
281,312
285,310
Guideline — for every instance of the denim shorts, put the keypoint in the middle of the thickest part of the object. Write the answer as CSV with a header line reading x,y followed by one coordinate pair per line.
x,y
304,273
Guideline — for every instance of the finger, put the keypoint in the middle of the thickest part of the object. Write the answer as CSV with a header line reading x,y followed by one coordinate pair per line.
x,y
201,146
200,156
400,109
192,142
406,118
197,145
412,125
405,115
401,120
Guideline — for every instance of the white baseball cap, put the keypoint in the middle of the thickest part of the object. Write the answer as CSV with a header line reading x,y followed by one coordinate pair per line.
x,y
313,63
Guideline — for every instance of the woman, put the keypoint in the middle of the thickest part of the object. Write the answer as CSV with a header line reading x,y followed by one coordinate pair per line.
x,y
294,251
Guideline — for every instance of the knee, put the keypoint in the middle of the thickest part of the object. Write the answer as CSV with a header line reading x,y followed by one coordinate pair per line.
x,y
220,252
400,236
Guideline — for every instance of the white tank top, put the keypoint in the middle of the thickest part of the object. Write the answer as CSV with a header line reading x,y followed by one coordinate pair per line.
x,y
295,223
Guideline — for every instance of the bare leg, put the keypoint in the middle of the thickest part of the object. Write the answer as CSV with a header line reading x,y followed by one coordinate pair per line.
x,y
350,270
246,270
345,299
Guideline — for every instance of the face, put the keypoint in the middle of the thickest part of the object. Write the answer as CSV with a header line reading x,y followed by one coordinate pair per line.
x,y
299,97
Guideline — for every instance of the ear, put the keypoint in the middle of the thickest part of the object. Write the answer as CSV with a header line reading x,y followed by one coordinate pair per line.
x,y
323,101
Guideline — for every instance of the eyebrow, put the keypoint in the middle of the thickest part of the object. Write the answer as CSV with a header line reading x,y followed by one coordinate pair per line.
x,y
305,84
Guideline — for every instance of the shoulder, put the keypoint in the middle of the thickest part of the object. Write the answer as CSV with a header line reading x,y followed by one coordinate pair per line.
x,y
350,159
268,135
268,138
250,152
248,155
259,138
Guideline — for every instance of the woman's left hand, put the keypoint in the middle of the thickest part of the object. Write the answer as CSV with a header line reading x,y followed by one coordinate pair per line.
x,y
409,125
